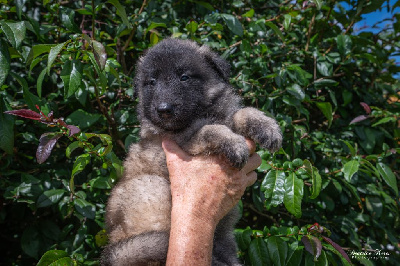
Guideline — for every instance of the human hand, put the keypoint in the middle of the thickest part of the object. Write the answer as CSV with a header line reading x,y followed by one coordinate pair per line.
x,y
207,186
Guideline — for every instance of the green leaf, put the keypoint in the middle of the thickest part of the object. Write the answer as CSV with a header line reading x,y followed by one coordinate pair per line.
x,y
249,14
385,120
30,241
296,258
154,39
121,12
6,127
324,67
73,146
52,256
277,249
296,91
192,26
388,176
39,82
243,238
30,99
54,51
298,75
344,44
19,5
205,4
275,29
5,61
233,24
71,76
67,16
99,53
326,109
287,21
315,177
353,150
103,79
318,3
15,32
85,208
49,197
374,205
82,119
349,169
80,164
293,194
273,186
258,252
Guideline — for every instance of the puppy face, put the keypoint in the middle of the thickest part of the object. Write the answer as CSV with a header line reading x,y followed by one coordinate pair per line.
x,y
174,80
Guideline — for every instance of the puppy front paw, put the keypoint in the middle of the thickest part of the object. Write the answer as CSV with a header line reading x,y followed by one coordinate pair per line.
x,y
269,136
236,151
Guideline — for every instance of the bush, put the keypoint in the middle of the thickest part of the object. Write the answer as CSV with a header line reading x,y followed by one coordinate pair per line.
x,y
329,196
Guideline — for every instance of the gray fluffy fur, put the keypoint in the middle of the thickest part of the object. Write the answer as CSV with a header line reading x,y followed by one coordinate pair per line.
x,y
184,93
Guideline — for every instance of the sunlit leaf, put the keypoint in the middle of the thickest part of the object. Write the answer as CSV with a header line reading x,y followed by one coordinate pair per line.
x,y
52,257
54,51
14,31
80,163
233,24
5,61
6,127
293,194
50,197
258,252
99,53
121,12
277,249
273,186
349,169
326,109
388,176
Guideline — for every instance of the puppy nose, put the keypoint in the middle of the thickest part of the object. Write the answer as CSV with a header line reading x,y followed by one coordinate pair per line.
x,y
165,109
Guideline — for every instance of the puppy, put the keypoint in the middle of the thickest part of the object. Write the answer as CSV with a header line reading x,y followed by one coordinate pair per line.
x,y
184,93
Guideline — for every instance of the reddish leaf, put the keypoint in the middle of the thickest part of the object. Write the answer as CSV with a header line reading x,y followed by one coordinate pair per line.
x,y
312,245
366,107
359,119
46,145
337,247
25,113
73,130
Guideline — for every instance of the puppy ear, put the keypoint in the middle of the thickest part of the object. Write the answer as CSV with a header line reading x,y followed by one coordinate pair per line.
x,y
221,66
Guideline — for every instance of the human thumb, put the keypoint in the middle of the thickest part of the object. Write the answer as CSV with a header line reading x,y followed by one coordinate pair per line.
x,y
173,152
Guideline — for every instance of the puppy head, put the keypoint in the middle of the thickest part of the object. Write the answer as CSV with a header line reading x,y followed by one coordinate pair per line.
x,y
176,81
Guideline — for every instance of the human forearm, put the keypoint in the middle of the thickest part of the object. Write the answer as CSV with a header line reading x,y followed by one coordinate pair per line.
x,y
191,238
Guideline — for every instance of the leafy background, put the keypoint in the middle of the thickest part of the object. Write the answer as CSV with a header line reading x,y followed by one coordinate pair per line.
x,y
330,193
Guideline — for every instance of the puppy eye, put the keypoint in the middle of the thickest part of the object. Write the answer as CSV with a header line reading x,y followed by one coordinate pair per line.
x,y
184,77
152,81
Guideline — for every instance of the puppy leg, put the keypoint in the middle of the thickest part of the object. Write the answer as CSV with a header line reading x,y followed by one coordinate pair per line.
x,y
144,249
253,124
218,139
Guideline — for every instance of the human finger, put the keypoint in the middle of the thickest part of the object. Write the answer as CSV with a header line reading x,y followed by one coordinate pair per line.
x,y
251,178
173,151
252,164
252,146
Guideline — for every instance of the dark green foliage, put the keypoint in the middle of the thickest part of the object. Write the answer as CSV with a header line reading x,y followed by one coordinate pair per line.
x,y
333,187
